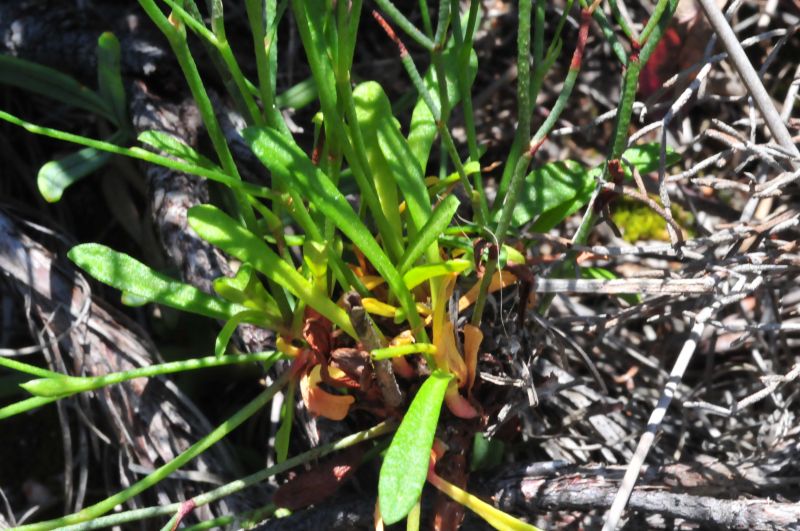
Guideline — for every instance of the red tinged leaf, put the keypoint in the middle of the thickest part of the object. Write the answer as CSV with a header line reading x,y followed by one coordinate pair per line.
x,y
319,483
479,247
681,46
661,64
317,333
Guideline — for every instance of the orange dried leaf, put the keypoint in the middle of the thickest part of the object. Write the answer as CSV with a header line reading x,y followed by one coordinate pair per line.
x,y
447,354
320,402
473,337
500,280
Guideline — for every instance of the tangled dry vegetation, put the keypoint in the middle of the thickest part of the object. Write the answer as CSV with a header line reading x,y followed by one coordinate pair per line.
x,y
668,389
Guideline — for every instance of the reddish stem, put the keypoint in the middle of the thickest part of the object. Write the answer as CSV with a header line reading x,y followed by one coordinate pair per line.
x,y
390,32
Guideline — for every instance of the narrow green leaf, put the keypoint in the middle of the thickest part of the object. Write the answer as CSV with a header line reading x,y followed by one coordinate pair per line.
x,y
417,275
53,84
175,147
405,466
372,105
423,126
219,229
288,161
58,175
382,134
298,96
430,232
402,350
109,77
224,336
131,276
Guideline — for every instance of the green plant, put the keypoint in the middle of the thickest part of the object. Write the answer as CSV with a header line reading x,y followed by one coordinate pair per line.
x,y
404,270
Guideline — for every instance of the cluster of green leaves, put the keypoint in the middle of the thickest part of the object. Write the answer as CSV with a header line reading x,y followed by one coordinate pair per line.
x,y
402,227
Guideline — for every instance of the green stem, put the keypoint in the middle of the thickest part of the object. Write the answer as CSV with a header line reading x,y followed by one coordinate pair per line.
x,y
144,155
161,473
608,32
518,177
25,405
19,366
426,18
655,19
623,23
263,70
176,35
398,18
653,31
531,90
219,41
465,47
238,485
62,385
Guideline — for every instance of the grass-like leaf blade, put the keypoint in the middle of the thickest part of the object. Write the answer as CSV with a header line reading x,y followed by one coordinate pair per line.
x,y
381,128
52,84
423,126
405,466
430,232
131,276
109,76
173,146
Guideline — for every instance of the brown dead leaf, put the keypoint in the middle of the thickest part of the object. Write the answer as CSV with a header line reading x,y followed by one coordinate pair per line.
x,y
319,483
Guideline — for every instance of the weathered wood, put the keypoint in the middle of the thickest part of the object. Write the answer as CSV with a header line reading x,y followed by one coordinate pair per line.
x,y
148,421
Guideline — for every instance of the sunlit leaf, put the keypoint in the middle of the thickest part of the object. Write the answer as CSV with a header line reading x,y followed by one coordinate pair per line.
x,y
406,463
287,160
645,157
175,147
417,275
549,186
131,276
219,229
58,175
430,232
381,128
